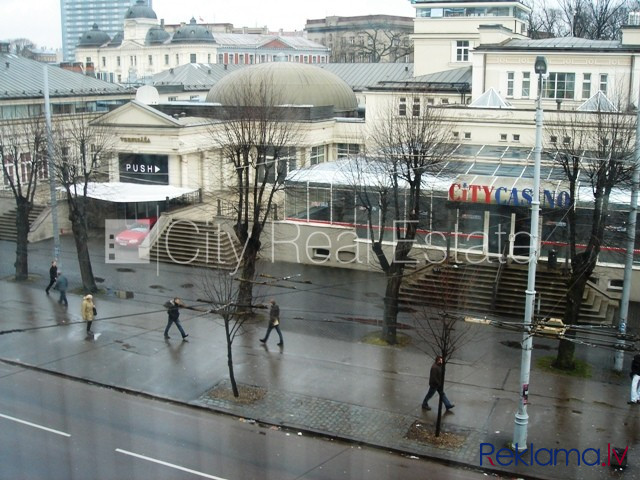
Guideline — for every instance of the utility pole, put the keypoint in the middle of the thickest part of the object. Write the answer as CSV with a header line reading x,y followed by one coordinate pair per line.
x,y
52,169
618,359
522,417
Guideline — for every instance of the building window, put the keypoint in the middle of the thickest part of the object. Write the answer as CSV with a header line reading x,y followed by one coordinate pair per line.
x,y
503,137
603,82
150,60
194,98
444,101
560,85
173,99
208,58
118,61
402,107
430,101
87,60
317,155
166,59
553,139
516,137
220,58
467,135
347,149
134,60
462,51
526,84
566,140
177,59
586,86
104,61
511,78
455,135
416,107
192,58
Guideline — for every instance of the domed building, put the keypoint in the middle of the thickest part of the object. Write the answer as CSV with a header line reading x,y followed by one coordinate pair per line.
x,y
291,84
146,47
93,38
192,33
140,10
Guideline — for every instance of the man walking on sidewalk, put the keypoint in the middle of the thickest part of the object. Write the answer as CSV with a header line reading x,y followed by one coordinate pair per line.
x,y
635,378
53,276
274,322
61,285
173,313
436,385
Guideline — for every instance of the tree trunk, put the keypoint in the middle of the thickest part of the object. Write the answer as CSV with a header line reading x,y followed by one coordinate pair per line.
x,y
84,260
391,301
232,377
566,349
245,290
22,232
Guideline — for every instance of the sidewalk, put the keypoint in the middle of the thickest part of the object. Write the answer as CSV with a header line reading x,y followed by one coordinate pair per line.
x,y
325,380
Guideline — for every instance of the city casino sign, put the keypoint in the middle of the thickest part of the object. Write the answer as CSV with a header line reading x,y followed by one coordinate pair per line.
x,y
496,195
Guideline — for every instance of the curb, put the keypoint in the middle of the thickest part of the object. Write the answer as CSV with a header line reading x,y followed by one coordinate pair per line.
x,y
282,425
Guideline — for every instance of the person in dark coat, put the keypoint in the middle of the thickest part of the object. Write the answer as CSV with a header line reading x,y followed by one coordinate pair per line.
x,y
61,285
436,385
53,276
173,314
274,322
635,379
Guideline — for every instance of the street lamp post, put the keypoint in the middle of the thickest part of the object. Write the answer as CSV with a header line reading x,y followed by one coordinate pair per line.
x,y
522,418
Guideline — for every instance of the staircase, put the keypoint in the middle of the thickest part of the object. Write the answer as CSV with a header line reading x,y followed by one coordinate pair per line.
x,y
8,222
198,244
469,289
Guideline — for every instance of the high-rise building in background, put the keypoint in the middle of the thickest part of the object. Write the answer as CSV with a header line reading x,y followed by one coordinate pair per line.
x,y
78,16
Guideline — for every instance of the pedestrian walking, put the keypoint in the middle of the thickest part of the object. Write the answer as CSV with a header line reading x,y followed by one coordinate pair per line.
x,y
436,385
274,322
173,312
635,379
61,285
53,275
89,311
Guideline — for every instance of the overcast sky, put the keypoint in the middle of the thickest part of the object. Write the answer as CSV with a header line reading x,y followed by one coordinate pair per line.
x,y
39,20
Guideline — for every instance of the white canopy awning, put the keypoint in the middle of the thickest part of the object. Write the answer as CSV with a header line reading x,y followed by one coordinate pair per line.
x,y
120,192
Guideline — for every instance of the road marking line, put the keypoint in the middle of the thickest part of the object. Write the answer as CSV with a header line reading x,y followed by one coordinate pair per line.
x,y
166,464
35,425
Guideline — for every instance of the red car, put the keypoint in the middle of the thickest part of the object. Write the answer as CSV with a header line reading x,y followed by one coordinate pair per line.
x,y
135,234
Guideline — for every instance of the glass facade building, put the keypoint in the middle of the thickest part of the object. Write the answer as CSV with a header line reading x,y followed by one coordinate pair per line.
x,y
78,16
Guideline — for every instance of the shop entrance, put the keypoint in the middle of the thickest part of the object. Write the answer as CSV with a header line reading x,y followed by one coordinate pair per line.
x,y
499,231
521,232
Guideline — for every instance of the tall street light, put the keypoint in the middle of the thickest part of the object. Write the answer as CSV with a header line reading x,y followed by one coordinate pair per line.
x,y
522,418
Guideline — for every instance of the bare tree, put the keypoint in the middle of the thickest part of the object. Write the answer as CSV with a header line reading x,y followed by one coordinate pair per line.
x,y
382,44
407,145
23,156
256,138
221,292
596,149
595,19
22,47
80,145
545,21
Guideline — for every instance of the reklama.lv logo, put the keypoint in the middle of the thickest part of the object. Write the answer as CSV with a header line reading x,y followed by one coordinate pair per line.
x,y
550,457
